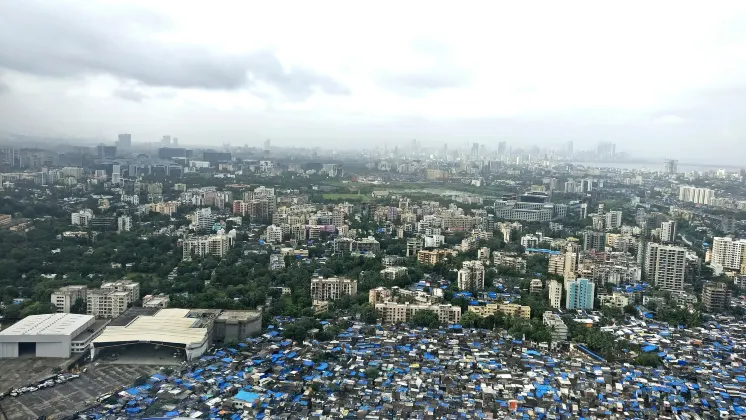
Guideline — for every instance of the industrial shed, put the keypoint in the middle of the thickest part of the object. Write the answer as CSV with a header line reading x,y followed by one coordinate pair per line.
x,y
173,328
50,335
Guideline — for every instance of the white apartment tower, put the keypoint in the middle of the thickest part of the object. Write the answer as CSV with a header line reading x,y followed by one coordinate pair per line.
x,y
124,224
665,266
332,288
668,232
65,297
728,252
471,276
555,294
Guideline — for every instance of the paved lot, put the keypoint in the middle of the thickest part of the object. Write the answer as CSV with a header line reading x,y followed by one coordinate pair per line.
x,y
15,373
75,395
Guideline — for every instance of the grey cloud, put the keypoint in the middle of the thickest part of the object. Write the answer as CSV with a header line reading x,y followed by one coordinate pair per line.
x,y
4,87
130,94
421,83
60,40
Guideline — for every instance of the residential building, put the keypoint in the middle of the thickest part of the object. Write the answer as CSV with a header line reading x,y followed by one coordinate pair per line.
x,y
414,246
132,288
716,297
82,217
665,266
728,253
273,234
556,325
471,276
580,294
276,262
696,195
537,286
379,295
65,297
509,309
616,300
613,220
216,245
366,245
124,224
555,294
668,232
157,301
393,273
483,255
104,303
512,261
431,257
392,312
332,288
594,240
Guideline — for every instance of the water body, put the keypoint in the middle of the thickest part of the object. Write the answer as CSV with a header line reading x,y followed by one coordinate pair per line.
x,y
651,166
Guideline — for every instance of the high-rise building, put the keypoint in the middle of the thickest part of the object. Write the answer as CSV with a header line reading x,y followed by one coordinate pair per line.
x,y
665,266
471,276
124,223
728,253
217,245
125,141
668,232
332,288
716,297
166,141
555,294
613,219
580,294
672,166
502,148
594,240
696,195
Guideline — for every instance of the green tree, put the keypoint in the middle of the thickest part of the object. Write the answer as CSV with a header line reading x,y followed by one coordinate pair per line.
x,y
470,319
426,318
79,307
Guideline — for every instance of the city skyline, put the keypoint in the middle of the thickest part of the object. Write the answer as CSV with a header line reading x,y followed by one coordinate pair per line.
x,y
210,77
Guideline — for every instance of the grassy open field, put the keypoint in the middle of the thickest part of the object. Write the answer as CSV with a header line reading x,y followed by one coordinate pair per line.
x,y
346,196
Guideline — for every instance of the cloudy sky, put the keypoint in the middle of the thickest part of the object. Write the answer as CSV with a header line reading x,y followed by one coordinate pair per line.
x,y
663,78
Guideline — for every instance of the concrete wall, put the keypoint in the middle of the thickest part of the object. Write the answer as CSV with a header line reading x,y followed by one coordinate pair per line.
x,y
59,349
46,345
8,350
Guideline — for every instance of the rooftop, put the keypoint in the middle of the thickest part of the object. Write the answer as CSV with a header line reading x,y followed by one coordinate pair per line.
x,y
167,325
49,324
239,315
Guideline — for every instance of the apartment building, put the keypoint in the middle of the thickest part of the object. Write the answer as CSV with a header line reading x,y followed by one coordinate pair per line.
x,y
81,218
217,245
728,253
393,273
431,257
580,294
65,297
665,266
471,276
557,326
132,288
379,295
555,294
107,303
332,288
716,297
509,309
392,312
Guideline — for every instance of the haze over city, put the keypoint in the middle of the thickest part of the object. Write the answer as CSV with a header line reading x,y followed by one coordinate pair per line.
x,y
660,80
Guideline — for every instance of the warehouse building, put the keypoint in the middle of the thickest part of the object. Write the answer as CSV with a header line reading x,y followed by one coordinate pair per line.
x,y
50,335
179,329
